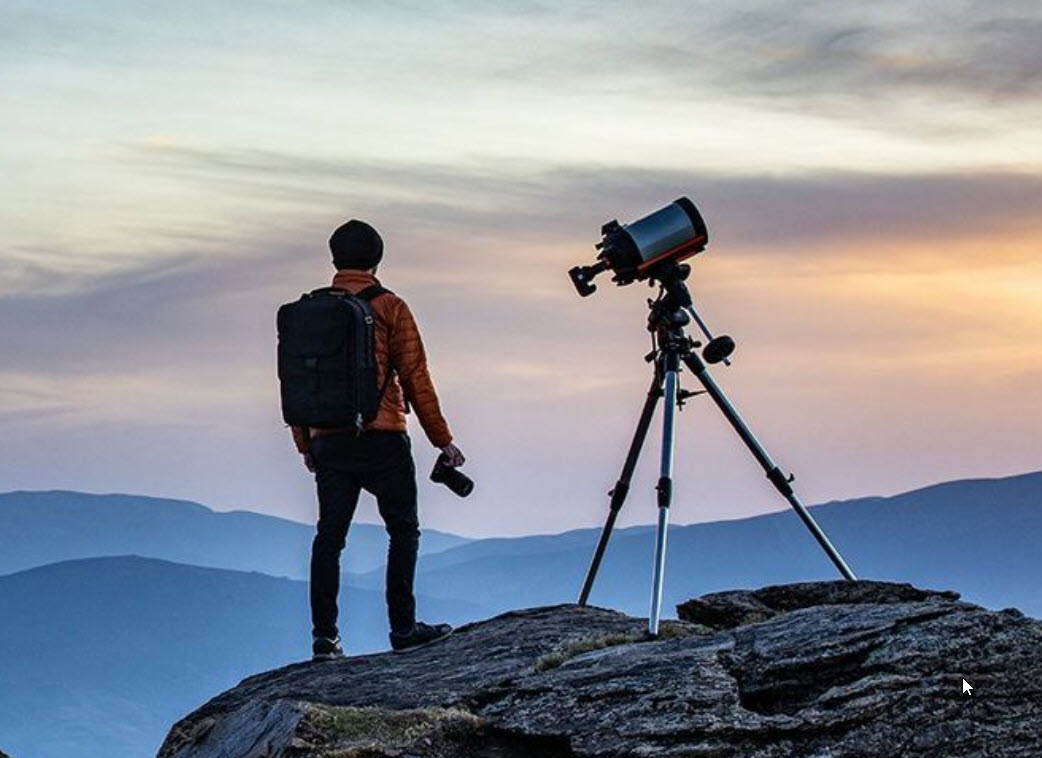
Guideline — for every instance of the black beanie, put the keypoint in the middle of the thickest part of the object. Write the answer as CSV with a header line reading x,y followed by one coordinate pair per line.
x,y
356,245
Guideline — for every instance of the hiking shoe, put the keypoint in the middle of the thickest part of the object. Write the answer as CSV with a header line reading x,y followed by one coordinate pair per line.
x,y
326,649
421,634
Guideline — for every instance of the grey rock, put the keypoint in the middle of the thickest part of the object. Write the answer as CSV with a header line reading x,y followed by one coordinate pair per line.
x,y
726,610
830,669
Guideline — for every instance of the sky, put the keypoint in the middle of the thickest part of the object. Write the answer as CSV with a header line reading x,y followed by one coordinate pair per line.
x,y
871,175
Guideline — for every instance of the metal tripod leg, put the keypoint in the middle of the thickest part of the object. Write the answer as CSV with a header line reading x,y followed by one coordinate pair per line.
x,y
665,491
622,487
774,474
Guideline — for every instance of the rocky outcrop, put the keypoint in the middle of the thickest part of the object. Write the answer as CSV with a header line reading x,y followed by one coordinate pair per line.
x,y
823,669
726,610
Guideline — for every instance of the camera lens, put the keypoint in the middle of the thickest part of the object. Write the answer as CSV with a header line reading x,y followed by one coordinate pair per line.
x,y
461,484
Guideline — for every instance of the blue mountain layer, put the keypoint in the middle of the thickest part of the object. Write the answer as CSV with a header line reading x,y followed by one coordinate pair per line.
x,y
98,656
977,536
37,528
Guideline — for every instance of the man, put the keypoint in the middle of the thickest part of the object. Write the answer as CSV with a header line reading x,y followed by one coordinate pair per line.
x,y
379,460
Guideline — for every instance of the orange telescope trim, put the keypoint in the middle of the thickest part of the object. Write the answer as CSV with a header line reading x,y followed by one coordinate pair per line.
x,y
680,252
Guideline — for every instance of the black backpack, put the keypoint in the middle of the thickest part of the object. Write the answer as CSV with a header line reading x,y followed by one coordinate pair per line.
x,y
327,359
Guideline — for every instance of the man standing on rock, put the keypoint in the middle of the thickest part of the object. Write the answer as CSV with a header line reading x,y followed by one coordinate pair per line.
x,y
378,460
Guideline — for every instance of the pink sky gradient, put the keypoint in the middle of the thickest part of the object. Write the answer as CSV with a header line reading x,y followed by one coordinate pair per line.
x,y
870,178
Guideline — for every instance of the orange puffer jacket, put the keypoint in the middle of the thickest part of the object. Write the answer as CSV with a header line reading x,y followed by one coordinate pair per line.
x,y
399,346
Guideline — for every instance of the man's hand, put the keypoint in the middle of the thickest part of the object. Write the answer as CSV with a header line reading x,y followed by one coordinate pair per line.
x,y
453,455
309,462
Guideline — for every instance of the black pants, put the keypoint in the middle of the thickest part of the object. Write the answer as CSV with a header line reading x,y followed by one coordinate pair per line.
x,y
380,463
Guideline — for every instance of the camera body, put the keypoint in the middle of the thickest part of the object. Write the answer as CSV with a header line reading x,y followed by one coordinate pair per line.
x,y
645,248
451,477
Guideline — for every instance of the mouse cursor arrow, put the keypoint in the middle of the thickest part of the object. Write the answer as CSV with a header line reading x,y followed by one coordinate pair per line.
x,y
966,687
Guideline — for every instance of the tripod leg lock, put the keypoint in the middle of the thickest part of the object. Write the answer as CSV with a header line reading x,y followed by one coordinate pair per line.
x,y
618,495
781,481
665,491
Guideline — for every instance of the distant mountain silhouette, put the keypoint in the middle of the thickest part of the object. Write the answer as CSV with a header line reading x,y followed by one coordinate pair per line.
x,y
98,656
980,536
37,528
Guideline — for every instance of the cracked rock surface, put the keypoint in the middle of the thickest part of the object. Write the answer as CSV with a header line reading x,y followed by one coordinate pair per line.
x,y
825,669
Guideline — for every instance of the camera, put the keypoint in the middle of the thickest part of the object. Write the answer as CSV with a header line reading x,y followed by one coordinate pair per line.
x,y
648,248
453,478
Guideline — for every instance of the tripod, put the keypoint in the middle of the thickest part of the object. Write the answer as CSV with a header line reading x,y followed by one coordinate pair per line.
x,y
673,347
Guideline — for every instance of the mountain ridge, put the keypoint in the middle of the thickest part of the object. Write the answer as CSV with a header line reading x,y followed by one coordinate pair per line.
x,y
98,653
976,533
47,526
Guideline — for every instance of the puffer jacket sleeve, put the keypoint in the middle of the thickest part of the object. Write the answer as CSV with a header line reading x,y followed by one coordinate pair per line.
x,y
301,438
409,359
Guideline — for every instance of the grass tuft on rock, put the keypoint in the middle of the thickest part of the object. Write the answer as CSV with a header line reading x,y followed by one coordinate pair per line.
x,y
350,732
667,630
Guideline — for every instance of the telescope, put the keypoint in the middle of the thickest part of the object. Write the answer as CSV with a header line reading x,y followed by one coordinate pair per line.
x,y
651,249
645,248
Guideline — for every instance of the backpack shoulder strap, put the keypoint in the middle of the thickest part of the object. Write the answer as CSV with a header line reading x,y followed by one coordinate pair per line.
x,y
369,294
372,292
324,291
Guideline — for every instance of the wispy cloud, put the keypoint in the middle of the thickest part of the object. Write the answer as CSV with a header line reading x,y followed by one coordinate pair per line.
x,y
888,65
958,49
504,198
870,175
496,239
